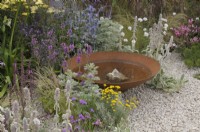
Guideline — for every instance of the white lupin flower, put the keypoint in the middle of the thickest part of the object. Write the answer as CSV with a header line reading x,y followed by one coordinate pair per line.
x,y
197,18
125,40
174,13
140,19
145,19
146,34
129,28
121,27
144,29
122,34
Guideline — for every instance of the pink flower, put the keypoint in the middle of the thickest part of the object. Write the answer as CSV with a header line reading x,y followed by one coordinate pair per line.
x,y
194,40
190,21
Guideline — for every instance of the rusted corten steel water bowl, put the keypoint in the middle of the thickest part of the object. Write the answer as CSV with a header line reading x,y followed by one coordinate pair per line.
x,y
136,67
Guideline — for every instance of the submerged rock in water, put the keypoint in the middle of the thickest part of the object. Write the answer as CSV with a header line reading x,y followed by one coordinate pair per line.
x,y
116,76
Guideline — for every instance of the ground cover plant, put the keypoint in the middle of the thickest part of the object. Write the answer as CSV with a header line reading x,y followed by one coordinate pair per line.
x,y
37,41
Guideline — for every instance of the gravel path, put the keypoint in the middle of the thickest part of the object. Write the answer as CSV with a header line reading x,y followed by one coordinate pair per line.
x,y
159,111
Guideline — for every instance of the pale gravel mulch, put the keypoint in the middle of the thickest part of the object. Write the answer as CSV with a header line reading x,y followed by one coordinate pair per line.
x,y
159,111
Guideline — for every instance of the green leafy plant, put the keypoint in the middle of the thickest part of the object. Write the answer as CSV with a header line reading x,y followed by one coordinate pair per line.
x,y
197,76
191,55
8,53
166,83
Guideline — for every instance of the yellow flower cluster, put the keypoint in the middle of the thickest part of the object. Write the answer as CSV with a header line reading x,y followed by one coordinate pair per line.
x,y
34,5
111,95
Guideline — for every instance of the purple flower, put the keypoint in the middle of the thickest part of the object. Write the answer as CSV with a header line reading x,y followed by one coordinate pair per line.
x,y
83,102
90,75
97,122
71,47
79,52
50,33
64,130
91,110
73,98
89,49
69,32
77,128
50,47
78,59
82,83
79,74
72,120
81,117
34,41
64,65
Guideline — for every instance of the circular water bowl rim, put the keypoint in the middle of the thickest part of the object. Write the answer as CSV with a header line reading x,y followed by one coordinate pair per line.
x,y
99,82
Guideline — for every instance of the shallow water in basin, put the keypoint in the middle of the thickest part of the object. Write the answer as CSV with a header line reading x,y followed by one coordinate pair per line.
x,y
134,71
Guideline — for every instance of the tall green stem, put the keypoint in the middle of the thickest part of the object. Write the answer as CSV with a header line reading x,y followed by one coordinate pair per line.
x,y
13,29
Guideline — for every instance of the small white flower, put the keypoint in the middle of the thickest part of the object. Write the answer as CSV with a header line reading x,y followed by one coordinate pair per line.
x,y
144,29
146,34
129,28
125,40
122,34
2,118
174,13
36,121
133,41
121,27
140,19
174,45
164,33
164,20
145,19
197,18
166,25
101,18
2,64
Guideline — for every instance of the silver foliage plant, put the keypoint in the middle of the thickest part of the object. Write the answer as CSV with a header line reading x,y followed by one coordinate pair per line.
x,y
10,119
158,50
109,34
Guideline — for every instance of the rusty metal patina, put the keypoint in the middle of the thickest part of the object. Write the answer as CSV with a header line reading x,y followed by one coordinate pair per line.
x,y
136,67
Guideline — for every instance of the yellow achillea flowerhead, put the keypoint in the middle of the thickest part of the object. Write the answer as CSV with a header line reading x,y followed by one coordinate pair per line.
x,y
111,95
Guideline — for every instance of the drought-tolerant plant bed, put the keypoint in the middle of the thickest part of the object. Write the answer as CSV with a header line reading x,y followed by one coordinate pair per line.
x,y
40,92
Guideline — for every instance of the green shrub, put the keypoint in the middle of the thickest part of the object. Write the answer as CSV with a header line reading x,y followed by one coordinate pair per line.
x,y
191,55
